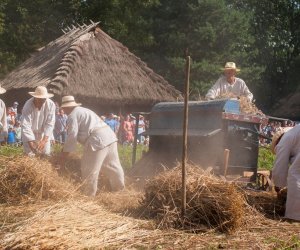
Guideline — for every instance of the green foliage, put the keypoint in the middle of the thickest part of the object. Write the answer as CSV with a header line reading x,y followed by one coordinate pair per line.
x,y
265,159
160,32
28,25
9,151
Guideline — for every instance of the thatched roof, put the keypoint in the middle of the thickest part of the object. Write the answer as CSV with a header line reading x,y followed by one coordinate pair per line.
x,y
89,64
288,107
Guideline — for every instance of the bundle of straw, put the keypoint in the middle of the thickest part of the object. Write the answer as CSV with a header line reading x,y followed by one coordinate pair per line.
x,y
25,179
246,107
210,201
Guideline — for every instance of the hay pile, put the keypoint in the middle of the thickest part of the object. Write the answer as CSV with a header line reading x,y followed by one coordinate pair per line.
x,y
25,179
211,202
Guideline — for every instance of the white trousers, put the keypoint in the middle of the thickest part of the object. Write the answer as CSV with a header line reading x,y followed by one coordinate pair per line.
x,y
107,160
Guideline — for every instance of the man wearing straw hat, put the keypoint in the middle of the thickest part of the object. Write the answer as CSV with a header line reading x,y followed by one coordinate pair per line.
x,y
229,84
38,119
286,169
3,118
100,146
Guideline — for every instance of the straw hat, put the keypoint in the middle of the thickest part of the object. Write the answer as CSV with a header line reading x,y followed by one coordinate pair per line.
x,y
277,136
41,92
231,65
69,101
2,90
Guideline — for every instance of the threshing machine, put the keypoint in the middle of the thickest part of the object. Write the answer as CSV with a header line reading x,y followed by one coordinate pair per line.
x,y
213,126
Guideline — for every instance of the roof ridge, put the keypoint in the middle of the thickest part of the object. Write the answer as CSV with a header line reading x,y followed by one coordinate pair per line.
x,y
60,78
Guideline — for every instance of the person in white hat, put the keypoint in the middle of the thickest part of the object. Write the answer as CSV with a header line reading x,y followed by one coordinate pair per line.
x,y
229,84
38,119
3,119
15,107
100,147
286,170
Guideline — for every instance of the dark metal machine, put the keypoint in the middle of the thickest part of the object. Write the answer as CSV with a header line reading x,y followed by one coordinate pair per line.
x,y
213,126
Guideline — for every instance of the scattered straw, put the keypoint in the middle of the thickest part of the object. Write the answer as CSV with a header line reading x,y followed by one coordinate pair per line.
x,y
75,225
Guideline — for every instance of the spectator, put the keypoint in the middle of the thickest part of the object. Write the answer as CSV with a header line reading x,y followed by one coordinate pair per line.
x,y
11,136
111,122
11,117
60,128
141,130
38,119
127,128
229,84
15,107
18,129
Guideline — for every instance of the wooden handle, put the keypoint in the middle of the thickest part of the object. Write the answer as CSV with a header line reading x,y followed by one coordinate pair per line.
x,y
226,158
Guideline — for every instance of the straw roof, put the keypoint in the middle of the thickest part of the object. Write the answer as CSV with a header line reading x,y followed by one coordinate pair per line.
x,y
89,64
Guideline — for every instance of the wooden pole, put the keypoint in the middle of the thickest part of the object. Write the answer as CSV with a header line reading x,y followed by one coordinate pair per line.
x,y
226,158
185,127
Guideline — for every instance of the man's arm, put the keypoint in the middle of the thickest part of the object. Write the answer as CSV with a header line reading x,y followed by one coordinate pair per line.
x,y
214,91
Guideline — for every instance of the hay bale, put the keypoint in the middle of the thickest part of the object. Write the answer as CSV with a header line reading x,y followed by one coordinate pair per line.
x,y
210,201
25,179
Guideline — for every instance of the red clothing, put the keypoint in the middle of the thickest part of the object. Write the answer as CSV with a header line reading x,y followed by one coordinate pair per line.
x,y
128,131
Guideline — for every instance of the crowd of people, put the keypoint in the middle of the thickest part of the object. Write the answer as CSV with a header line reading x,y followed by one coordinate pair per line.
x,y
271,128
123,127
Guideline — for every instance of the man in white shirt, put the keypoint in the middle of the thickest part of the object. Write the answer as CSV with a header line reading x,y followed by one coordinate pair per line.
x,y
38,119
286,169
3,119
100,146
228,84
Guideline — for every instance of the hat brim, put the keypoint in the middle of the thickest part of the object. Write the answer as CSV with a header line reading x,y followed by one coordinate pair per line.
x,y
276,137
49,95
236,69
2,90
71,104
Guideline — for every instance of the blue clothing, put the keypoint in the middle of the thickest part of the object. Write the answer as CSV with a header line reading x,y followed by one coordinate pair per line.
x,y
11,137
112,123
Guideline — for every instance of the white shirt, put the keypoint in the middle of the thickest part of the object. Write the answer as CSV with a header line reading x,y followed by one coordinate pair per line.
x,y
80,125
3,118
221,87
286,170
36,121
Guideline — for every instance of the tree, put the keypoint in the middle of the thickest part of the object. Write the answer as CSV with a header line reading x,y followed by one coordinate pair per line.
x,y
275,26
27,25
213,32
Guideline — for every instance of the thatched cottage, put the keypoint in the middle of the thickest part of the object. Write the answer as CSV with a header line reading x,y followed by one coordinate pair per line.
x,y
98,70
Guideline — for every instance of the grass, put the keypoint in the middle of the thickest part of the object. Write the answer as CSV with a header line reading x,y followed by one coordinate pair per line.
x,y
125,152
265,159
265,156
